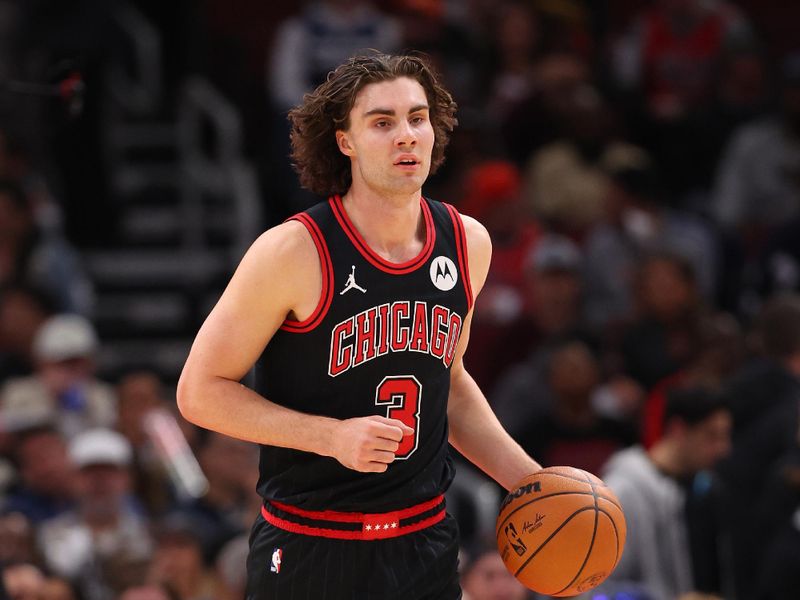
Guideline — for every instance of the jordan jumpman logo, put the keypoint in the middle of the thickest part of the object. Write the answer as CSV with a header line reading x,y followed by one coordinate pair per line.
x,y
351,283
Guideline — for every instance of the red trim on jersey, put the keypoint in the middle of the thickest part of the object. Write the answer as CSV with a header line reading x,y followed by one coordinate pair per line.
x,y
373,257
461,249
377,526
326,296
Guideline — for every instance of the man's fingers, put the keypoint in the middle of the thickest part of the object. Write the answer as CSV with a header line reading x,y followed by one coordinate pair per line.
x,y
394,430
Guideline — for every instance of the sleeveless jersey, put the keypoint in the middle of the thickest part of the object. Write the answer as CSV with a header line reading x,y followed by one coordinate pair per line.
x,y
380,342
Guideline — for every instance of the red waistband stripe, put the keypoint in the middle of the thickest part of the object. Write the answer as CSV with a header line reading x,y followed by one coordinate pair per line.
x,y
354,525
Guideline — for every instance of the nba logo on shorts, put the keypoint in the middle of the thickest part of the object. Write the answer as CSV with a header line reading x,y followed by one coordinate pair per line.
x,y
275,565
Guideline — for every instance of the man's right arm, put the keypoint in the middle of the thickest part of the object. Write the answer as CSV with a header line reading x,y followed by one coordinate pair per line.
x,y
278,276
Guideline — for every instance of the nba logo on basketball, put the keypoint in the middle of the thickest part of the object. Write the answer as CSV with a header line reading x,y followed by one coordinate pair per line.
x,y
275,566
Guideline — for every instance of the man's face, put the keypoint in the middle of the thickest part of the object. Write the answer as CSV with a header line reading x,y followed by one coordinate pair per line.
x,y
708,441
490,580
390,138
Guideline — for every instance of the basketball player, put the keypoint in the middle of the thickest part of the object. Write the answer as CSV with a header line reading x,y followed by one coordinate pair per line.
x,y
356,313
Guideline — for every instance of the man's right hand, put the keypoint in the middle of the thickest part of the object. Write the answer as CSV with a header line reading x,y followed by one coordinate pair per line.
x,y
368,444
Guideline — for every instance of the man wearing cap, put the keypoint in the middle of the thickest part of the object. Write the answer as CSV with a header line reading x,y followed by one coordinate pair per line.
x,y
63,389
105,528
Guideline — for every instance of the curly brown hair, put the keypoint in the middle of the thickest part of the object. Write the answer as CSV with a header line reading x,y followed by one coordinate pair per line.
x,y
316,157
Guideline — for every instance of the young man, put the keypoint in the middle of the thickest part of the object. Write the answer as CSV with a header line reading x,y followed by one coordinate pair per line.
x,y
673,503
357,313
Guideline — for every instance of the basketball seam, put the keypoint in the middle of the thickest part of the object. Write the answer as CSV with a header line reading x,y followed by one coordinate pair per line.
x,y
591,543
551,536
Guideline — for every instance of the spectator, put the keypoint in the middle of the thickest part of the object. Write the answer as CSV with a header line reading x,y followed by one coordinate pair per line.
x,y
638,220
226,509
541,116
64,387
664,335
324,35
672,50
46,485
553,293
671,501
485,577
22,311
564,181
759,173
17,540
37,257
573,432
500,327
516,36
719,354
22,581
138,393
178,561
231,566
105,528
763,399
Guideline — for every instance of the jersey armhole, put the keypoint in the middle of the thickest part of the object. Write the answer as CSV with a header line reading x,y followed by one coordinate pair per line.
x,y
461,250
326,296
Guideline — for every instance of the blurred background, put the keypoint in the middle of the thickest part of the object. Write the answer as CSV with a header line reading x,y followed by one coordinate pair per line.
x,y
637,163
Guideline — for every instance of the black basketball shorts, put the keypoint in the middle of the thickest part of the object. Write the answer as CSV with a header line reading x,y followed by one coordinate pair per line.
x,y
296,555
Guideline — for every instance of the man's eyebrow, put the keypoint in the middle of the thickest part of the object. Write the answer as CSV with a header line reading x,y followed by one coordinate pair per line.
x,y
389,112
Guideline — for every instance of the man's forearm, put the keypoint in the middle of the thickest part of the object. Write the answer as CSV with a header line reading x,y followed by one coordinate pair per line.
x,y
233,409
479,436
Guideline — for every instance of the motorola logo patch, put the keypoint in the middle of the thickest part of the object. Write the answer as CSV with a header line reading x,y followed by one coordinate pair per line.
x,y
443,273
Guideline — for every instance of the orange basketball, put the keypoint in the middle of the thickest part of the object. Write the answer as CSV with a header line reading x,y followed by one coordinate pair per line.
x,y
561,531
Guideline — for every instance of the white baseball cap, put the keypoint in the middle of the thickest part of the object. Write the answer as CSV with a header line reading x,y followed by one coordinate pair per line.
x,y
65,336
100,447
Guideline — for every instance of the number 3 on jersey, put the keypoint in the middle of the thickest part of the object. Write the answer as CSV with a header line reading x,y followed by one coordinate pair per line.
x,y
403,396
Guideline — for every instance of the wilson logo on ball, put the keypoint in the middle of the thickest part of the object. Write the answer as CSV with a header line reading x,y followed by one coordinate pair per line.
x,y
535,486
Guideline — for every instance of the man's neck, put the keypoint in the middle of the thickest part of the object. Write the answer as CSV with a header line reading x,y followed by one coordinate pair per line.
x,y
393,227
666,460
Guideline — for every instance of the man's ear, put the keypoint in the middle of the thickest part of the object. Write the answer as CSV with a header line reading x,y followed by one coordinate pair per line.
x,y
343,141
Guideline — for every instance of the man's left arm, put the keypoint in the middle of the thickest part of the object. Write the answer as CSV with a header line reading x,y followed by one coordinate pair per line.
x,y
474,429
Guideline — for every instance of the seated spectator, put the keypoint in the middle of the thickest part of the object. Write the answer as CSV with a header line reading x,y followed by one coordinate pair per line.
x,y
231,566
227,508
553,301
565,182
664,335
720,353
325,34
573,432
30,255
22,311
17,540
64,387
485,577
763,400
105,528
757,180
138,393
501,325
637,220
672,503
178,561
46,486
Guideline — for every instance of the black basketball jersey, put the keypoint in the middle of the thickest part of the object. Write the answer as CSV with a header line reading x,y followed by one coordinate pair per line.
x,y
380,342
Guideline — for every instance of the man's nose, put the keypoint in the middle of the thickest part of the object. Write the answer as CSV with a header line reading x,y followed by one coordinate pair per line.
x,y
406,136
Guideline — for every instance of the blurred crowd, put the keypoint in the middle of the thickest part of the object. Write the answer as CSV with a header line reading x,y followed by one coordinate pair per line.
x,y
637,164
